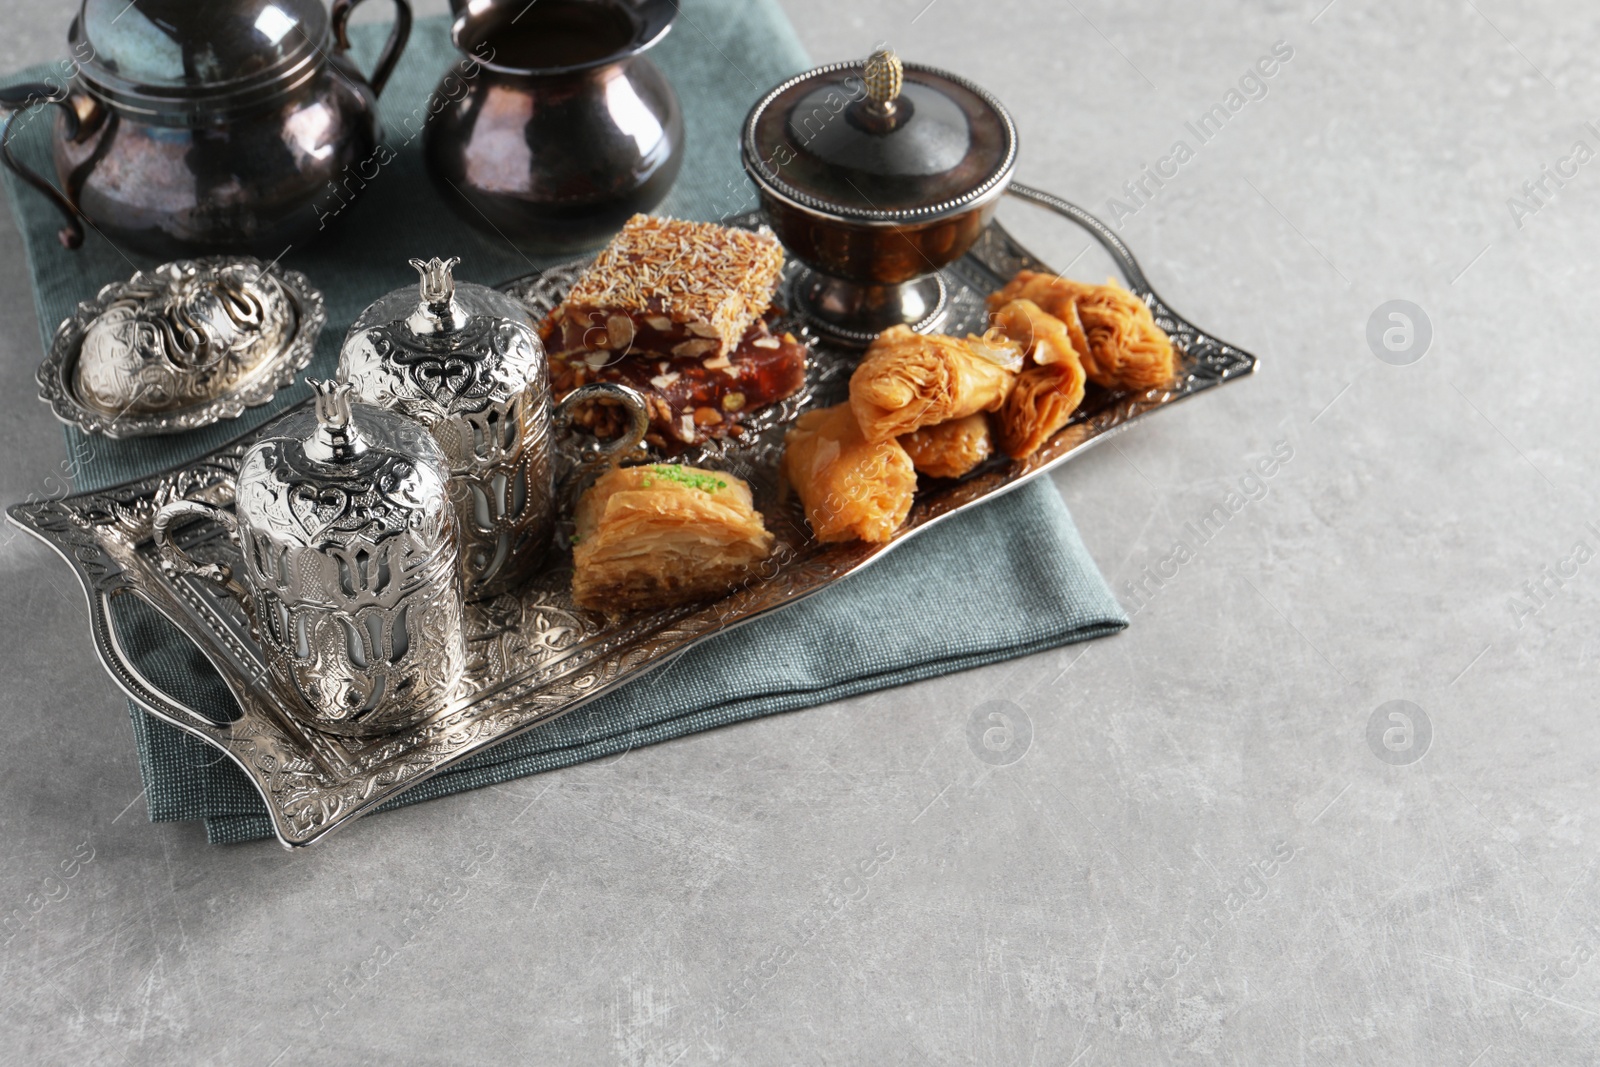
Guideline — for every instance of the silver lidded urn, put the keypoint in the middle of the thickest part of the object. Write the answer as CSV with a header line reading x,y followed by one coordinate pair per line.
x,y
350,563
465,361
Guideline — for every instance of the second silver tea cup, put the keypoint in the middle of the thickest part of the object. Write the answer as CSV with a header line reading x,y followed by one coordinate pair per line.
x,y
465,361
349,564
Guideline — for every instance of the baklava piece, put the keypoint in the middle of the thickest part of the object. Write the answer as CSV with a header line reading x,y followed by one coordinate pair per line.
x,y
663,534
1121,347
950,449
1051,388
909,380
851,488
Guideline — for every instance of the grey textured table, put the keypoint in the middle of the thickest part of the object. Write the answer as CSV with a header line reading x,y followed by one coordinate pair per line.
x,y
1217,846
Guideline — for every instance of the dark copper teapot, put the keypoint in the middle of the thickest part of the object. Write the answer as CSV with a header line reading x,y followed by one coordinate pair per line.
x,y
209,126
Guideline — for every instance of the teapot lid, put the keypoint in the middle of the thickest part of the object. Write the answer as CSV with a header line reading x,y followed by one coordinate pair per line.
x,y
442,347
170,55
882,140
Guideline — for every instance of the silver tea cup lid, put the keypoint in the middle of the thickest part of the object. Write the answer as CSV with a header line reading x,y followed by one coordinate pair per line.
x,y
340,474
443,348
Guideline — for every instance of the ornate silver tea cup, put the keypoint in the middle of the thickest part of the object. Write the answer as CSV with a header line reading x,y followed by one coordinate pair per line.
x,y
350,563
465,361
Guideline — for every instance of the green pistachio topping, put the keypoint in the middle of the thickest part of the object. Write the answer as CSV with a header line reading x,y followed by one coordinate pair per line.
x,y
674,472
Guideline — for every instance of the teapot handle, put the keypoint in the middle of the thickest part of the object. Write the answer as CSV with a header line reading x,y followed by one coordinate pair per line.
x,y
342,10
630,399
82,117
181,561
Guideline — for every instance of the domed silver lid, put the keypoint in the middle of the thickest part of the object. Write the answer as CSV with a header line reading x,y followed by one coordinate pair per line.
x,y
341,474
446,348
181,345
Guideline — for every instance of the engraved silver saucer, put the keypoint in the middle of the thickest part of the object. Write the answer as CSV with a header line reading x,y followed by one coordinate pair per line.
x,y
181,346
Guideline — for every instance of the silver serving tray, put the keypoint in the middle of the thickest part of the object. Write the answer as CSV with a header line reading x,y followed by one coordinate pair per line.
x,y
536,656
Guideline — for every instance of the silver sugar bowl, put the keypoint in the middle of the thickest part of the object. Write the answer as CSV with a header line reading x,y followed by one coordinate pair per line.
x,y
465,361
181,346
350,563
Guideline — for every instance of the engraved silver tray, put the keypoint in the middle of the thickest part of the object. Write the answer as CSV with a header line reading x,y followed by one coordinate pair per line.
x,y
536,656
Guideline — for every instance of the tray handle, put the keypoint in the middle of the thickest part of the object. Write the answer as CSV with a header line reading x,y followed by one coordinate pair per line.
x,y
1097,229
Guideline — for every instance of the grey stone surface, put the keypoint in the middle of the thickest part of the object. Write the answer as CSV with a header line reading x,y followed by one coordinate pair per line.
x,y
705,901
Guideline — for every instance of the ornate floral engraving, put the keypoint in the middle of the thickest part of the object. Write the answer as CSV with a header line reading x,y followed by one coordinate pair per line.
x,y
466,363
344,538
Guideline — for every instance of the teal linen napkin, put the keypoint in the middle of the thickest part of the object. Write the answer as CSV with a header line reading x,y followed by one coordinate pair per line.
x,y
1004,580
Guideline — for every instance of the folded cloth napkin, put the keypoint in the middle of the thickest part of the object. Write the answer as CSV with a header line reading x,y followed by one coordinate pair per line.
x,y
1003,580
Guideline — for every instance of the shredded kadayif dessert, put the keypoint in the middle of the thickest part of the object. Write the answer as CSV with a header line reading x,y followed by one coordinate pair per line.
x,y
1050,390
1123,347
950,449
908,380
852,488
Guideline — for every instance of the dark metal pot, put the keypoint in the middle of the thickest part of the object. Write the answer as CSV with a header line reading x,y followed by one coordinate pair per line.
x,y
875,175
188,127
556,128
